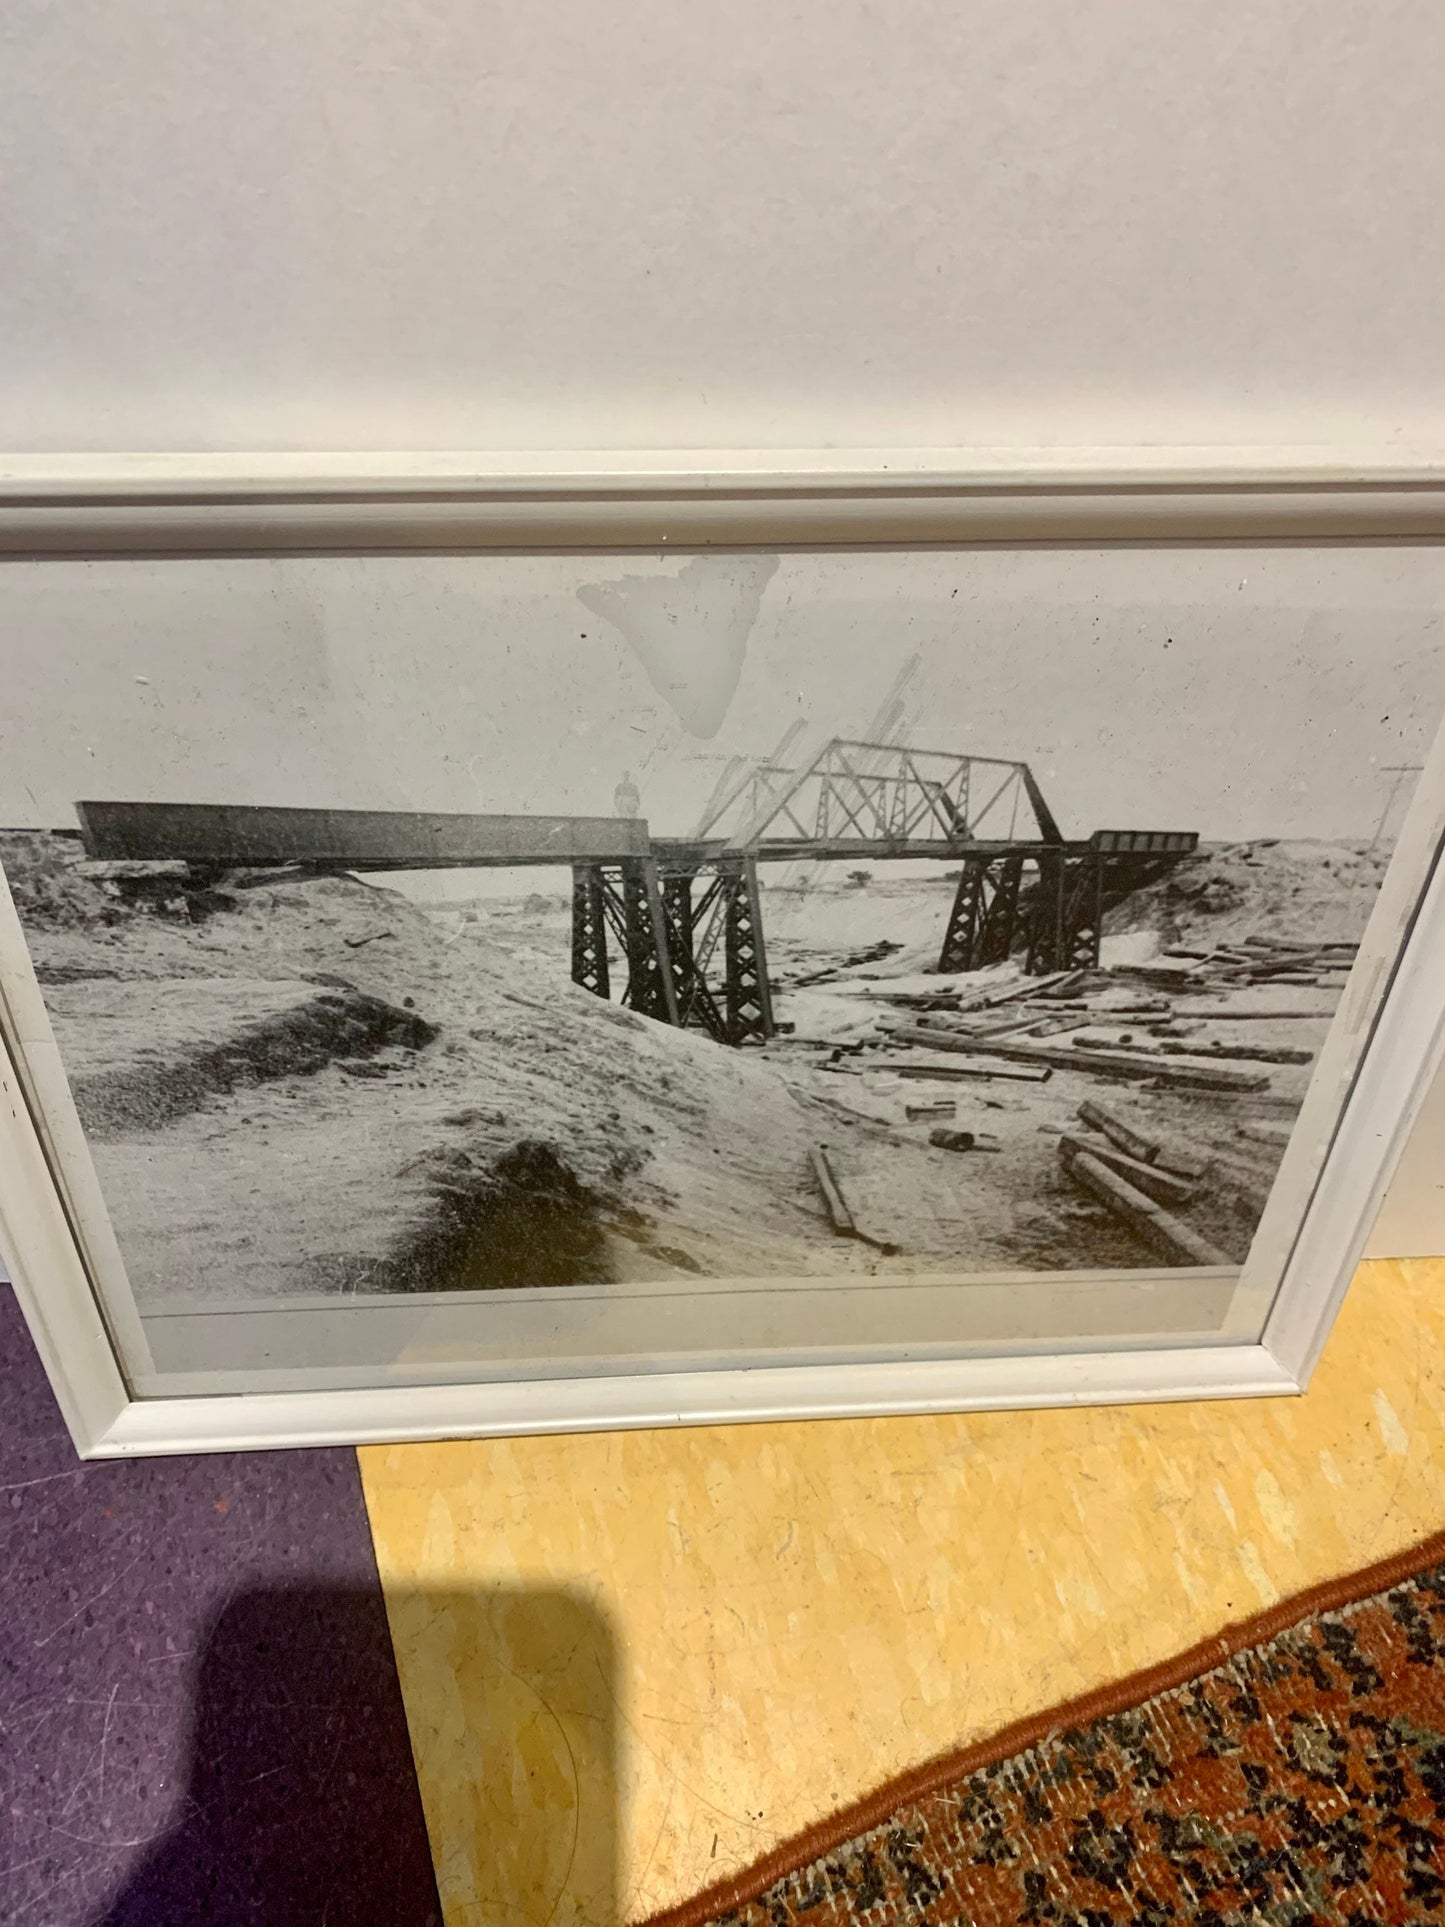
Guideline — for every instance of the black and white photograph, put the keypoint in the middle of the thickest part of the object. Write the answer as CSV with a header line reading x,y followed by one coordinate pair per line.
x,y
438,924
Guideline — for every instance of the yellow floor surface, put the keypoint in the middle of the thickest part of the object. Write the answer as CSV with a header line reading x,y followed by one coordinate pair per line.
x,y
634,1662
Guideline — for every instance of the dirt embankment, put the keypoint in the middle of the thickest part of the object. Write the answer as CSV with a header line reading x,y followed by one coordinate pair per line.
x,y
312,1086
1310,891
212,1036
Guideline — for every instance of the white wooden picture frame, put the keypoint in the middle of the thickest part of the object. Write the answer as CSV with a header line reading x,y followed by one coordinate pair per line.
x,y
1371,1073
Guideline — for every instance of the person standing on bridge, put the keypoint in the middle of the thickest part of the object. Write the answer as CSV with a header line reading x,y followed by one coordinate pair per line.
x,y
625,798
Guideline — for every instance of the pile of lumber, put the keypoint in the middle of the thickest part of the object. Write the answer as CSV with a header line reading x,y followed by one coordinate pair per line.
x,y
949,1000
1040,1021
1110,1061
875,953
1253,960
1137,1177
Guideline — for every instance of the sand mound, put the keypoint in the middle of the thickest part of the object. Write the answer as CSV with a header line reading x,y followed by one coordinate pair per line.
x,y
50,892
144,1053
1296,890
271,1121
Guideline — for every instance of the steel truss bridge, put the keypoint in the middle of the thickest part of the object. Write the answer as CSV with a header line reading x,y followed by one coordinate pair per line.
x,y
675,925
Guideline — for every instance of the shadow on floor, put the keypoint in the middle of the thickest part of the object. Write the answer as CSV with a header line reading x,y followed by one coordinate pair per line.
x,y
291,1816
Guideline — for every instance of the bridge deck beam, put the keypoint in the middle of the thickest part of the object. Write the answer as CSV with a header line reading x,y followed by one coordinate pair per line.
x,y
236,836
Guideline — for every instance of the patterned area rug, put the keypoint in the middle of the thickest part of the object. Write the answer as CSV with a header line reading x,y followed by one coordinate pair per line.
x,y
1290,1772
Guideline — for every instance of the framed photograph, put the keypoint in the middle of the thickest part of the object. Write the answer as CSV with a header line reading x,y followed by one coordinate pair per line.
x,y
661,941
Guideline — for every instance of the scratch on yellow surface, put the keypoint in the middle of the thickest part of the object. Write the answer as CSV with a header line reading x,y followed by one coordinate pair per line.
x,y
634,1661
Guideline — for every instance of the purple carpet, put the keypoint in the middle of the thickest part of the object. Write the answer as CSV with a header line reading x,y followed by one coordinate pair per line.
x,y
201,1716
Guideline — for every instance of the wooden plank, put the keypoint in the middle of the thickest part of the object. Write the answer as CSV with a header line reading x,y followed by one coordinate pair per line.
x,y
1151,1220
1204,1077
1014,1025
1134,1007
1065,985
1258,970
914,1000
228,835
1159,975
1152,1179
1059,1026
986,1073
1250,1053
1138,1144
842,1217
1135,1144
1222,1014
1030,987
1308,947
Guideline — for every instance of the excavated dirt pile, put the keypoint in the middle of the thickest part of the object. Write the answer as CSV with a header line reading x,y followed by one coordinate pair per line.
x,y
312,1085
1299,890
218,1034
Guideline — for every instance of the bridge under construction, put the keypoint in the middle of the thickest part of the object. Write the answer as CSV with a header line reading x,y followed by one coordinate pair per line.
x,y
676,924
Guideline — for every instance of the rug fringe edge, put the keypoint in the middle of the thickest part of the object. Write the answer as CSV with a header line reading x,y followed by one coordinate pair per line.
x,y
1100,1702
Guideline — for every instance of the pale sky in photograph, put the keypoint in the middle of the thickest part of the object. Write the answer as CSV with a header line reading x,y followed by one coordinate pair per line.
x,y
1234,692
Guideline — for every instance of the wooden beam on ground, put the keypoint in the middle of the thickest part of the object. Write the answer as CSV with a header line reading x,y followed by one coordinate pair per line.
x,y
226,836
985,1073
1016,1023
1202,1077
1062,986
1155,1182
1221,1013
1139,1144
1030,987
842,1218
1058,1026
1298,945
1134,1143
1245,1053
1160,1227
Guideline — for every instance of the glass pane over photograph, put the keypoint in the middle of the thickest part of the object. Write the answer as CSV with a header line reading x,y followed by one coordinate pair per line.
x,y
541,964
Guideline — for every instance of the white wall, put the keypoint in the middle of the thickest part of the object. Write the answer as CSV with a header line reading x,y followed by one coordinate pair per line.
x,y
454,224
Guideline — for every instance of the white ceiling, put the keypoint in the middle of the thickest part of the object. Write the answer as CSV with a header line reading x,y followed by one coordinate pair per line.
x,y
774,223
